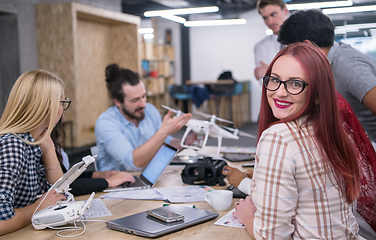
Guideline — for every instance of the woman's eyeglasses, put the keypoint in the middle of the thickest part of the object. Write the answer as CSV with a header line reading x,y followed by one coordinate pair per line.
x,y
292,86
66,103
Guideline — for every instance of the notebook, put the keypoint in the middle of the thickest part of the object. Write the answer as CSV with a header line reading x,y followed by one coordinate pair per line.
x,y
143,225
151,172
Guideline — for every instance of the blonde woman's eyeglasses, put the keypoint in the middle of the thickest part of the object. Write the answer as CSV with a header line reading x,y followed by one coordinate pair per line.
x,y
66,103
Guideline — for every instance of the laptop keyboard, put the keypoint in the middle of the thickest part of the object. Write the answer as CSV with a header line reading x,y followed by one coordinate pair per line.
x,y
137,183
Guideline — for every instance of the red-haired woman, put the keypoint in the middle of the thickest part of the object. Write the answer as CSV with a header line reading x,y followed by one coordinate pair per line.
x,y
306,176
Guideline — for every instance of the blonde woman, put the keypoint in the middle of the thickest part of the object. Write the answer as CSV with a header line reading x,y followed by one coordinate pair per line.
x,y
28,163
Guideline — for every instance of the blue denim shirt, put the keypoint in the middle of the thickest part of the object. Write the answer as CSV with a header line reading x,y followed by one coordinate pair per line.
x,y
117,137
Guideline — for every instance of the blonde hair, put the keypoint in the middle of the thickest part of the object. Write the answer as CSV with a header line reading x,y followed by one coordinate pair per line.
x,y
34,97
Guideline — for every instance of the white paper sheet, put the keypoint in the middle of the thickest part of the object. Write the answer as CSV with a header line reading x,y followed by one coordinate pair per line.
x,y
229,221
142,194
185,193
172,194
98,209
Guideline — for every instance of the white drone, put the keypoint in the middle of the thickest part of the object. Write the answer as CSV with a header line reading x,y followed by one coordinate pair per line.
x,y
208,128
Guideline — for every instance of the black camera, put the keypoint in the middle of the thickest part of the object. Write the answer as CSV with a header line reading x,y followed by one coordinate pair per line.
x,y
207,171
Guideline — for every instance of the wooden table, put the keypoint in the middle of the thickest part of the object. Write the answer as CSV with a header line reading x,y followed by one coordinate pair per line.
x,y
123,207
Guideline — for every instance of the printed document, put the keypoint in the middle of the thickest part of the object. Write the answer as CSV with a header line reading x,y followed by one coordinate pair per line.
x,y
98,209
229,221
185,194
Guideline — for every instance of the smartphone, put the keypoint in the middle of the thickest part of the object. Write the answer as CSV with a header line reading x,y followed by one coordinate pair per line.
x,y
165,214
251,164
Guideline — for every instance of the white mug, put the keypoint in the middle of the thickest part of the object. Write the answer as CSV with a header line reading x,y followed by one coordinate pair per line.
x,y
220,200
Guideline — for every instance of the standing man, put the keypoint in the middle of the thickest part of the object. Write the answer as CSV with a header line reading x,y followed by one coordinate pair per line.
x,y
274,13
355,79
129,133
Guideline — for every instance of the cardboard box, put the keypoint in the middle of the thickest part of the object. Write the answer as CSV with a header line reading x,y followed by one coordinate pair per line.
x,y
158,51
161,85
148,51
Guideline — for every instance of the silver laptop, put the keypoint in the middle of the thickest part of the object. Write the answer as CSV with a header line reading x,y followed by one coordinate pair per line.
x,y
151,172
147,226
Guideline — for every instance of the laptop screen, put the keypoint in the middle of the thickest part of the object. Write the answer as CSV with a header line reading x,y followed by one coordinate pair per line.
x,y
158,163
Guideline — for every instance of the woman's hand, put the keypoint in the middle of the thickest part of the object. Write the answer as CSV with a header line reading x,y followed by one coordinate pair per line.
x,y
119,178
245,210
23,215
50,161
47,144
245,213
234,176
50,200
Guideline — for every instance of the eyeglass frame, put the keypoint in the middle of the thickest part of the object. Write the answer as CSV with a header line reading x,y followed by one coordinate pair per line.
x,y
67,100
305,84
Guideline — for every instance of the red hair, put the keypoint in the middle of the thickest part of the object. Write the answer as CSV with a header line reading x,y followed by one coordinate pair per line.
x,y
322,112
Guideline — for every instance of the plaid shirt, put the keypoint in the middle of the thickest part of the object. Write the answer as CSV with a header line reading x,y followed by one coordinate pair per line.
x,y
295,197
22,175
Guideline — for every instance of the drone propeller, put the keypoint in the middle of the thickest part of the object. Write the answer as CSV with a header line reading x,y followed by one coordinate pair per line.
x,y
236,131
209,116
168,108
178,112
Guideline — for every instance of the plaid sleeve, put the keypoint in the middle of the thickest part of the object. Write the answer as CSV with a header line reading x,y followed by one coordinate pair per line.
x,y
274,189
11,155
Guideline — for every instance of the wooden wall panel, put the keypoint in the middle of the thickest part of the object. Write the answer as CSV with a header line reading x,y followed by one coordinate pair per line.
x,y
93,55
77,42
54,29
124,46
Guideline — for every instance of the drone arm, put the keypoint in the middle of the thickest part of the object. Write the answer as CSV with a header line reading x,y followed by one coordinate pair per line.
x,y
187,131
185,136
206,138
219,145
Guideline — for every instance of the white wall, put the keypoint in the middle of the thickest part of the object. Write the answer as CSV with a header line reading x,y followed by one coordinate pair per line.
x,y
219,48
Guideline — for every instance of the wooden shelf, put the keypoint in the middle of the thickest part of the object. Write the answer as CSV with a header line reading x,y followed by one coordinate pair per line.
x,y
158,59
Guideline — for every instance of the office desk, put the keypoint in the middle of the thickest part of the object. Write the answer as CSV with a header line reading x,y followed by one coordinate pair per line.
x,y
124,207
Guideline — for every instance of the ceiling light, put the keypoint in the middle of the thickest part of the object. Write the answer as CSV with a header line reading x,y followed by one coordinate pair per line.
x,y
181,11
353,27
145,30
214,22
173,3
174,18
148,36
347,28
350,9
319,5
358,26
344,30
